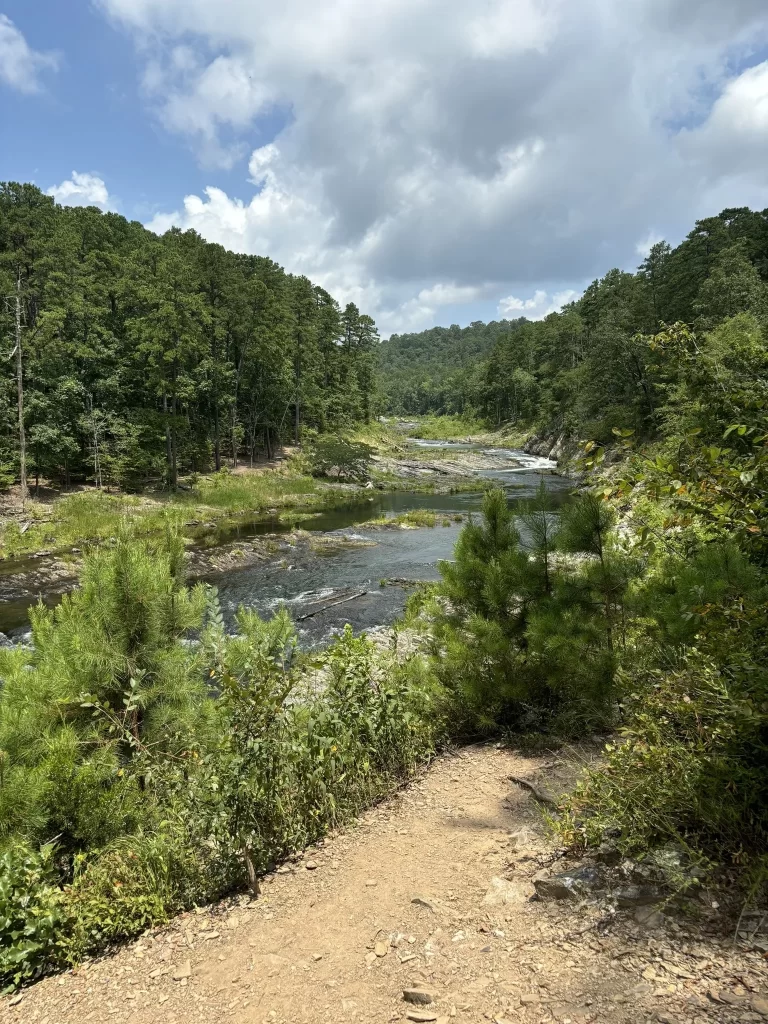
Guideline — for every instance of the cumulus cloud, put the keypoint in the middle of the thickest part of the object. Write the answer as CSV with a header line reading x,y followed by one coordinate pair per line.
x,y
541,304
20,65
82,190
489,147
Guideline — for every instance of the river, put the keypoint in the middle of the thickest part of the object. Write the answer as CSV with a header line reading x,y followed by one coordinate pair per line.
x,y
303,580
307,582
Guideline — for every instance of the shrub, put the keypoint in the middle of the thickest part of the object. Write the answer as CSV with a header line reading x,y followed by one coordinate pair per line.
x,y
126,793
340,458
522,636
33,914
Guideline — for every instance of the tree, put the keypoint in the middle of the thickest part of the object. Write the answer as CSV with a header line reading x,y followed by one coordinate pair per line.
x,y
733,286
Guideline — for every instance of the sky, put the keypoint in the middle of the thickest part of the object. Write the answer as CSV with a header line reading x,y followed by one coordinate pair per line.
x,y
434,161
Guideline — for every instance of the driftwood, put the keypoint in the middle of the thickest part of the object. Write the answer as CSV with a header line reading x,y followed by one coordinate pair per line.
x,y
542,795
330,604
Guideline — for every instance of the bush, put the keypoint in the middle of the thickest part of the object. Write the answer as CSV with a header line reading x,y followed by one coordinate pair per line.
x,y
33,914
340,458
524,637
127,793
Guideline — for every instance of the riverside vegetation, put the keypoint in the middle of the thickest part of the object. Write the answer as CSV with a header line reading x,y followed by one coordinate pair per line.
x,y
149,761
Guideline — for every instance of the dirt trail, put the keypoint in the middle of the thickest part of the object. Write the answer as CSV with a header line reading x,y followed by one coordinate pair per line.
x,y
407,899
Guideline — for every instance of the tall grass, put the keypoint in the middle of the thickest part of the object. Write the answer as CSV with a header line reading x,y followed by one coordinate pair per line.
x,y
93,516
446,428
80,519
253,492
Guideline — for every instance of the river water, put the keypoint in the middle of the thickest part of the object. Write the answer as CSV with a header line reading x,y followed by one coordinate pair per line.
x,y
304,581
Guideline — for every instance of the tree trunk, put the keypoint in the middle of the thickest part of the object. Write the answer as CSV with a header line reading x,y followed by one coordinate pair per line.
x,y
216,436
174,466
168,446
20,391
297,420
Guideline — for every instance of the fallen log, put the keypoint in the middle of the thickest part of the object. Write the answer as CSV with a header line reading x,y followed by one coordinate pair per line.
x,y
330,604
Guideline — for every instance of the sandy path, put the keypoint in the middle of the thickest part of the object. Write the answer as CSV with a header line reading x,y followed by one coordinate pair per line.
x,y
401,901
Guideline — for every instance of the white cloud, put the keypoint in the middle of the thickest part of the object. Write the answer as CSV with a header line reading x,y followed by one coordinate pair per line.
x,y
734,137
505,148
536,308
20,65
644,246
82,190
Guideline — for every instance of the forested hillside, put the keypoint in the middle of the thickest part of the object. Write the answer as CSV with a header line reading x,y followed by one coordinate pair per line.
x,y
438,370
587,369
141,357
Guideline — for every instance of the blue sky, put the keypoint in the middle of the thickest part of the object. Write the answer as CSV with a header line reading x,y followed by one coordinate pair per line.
x,y
90,115
436,163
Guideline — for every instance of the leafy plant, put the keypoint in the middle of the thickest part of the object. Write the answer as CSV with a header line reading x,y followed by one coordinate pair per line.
x,y
340,458
33,913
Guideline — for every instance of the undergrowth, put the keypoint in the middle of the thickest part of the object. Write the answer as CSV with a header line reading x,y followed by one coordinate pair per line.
x,y
128,794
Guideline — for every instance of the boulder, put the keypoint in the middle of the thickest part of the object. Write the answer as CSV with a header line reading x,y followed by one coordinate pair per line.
x,y
639,896
568,885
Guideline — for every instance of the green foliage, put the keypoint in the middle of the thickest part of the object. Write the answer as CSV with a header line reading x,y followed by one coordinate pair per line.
x,y
523,636
107,679
340,458
587,369
251,492
32,913
691,761
145,357
127,793
439,370
446,428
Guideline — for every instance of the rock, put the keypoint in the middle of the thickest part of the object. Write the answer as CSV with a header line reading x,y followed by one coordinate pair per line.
x,y
5,641
638,896
183,971
608,854
16,999
421,1016
418,996
569,885
760,1005
381,948
643,989
649,917
501,892
371,883
731,998
422,901
311,865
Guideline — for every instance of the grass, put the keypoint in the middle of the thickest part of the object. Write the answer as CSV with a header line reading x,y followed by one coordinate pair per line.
x,y
446,428
88,517
418,517
383,437
82,518
252,492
